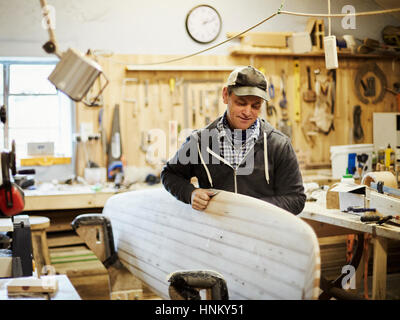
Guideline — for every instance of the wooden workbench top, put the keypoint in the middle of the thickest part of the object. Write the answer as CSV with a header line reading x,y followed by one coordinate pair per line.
x,y
72,197
316,212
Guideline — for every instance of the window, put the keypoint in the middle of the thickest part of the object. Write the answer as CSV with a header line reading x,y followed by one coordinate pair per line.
x,y
1,103
37,112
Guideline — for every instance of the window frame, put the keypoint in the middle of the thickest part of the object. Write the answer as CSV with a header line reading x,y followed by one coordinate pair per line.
x,y
7,62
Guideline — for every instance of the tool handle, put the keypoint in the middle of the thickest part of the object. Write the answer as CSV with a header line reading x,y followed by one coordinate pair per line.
x,y
369,218
309,77
26,171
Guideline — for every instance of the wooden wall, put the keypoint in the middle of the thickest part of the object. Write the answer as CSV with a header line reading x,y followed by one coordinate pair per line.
x,y
159,106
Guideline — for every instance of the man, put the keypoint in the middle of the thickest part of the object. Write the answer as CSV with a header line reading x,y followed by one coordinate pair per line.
x,y
238,152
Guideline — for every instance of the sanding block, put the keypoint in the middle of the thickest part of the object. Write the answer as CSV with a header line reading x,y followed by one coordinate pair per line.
x,y
331,57
32,285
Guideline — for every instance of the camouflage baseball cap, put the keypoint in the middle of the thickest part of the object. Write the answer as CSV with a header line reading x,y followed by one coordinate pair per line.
x,y
248,81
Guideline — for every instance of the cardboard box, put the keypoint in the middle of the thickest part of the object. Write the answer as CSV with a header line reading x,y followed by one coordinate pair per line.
x,y
350,195
264,39
300,42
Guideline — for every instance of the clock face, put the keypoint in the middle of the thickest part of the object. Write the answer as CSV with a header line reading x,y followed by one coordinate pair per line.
x,y
203,23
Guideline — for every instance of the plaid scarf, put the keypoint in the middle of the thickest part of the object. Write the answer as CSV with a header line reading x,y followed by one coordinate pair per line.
x,y
234,144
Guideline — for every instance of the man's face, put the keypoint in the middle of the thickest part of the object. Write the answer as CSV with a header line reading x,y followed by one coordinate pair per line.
x,y
242,110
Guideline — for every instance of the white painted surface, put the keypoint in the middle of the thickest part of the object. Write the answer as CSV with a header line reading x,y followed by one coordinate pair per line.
x,y
262,251
158,27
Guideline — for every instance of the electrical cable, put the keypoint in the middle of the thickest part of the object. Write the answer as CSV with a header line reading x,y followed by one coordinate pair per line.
x,y
329,19
279,11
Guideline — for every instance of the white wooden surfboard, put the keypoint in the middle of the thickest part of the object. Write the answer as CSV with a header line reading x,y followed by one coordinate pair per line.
x,y
262,251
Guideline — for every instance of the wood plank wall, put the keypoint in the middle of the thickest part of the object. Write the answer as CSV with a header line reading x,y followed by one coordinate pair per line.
x,y
164,106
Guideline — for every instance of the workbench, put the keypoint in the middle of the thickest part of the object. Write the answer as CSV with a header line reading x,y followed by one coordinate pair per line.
x,y
332,222
62,203
65,291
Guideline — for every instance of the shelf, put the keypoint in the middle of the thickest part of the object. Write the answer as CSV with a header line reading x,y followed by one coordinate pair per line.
x,y
178,68
247,50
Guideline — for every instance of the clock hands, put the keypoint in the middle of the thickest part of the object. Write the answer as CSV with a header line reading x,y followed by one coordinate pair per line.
x,y
209,20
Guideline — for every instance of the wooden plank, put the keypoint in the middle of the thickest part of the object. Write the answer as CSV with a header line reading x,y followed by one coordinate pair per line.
x,y
262,251
5,264
63,239
46,284
66,201
6,225
379,269
87,274
65,291
327,230
337,218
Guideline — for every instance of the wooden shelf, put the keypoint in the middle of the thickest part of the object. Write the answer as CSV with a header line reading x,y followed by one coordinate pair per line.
x,y
178,68
247,50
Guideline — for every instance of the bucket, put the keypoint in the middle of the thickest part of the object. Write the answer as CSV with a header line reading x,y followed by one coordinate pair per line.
x,y
340,155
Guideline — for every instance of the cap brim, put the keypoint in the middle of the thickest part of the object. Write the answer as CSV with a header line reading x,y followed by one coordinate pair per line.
x,y
251,91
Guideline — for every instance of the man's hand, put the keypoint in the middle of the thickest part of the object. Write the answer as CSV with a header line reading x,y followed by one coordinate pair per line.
x,y
200,198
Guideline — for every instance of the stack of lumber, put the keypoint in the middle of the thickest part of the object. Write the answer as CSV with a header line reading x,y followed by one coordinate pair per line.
x,y
86,273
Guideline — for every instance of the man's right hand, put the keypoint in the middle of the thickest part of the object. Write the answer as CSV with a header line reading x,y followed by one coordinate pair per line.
x,y
200,198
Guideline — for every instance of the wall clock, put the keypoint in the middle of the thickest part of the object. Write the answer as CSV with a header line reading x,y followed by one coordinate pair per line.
x,y
203,23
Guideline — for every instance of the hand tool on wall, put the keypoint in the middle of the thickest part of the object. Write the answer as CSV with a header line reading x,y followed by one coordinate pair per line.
x,y
201,102
369,45
358,132
297,99
174,88
309,95
144,141
216,101
185,105
172,83
103,136
271,89
283,101
323,116
115,165
131,100
391,35
284,125
332,73
396,92
206,101
146,93
272,114
369,88
193,110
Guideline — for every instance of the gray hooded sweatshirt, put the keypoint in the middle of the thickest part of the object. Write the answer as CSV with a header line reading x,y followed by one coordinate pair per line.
x,y
269,172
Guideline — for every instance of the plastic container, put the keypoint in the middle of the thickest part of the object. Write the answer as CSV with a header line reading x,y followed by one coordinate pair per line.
x,y
340,156
95,175
348,178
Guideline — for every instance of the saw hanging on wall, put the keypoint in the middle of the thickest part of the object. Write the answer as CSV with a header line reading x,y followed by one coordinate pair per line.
x,y
114,151
323,116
